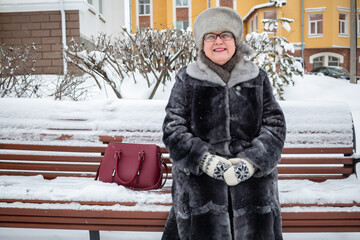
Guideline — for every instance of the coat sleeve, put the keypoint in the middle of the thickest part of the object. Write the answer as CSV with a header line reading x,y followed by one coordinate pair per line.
x,y
185,149
265,150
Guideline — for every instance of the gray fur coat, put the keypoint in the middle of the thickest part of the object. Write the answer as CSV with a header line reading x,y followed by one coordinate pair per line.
x,y
237,119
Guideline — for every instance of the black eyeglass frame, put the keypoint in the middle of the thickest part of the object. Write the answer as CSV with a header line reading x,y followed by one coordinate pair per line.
x,y
218,35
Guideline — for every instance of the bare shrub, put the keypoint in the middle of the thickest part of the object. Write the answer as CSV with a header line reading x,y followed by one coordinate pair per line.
x,y
16,68
153,53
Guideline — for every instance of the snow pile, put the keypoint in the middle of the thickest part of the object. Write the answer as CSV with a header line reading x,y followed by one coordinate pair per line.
x,y
331,191
86,189
77,189
310,124
318,124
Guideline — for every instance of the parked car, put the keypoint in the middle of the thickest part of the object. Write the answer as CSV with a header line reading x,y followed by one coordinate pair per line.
x,y
336,72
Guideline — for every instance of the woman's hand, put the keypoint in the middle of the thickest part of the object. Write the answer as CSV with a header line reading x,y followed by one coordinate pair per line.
x,y
241,170
214,166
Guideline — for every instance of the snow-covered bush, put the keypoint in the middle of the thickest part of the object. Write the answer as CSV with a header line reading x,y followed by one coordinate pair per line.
x,y
272,54
157,53
69,87
16,68
152,53
98,60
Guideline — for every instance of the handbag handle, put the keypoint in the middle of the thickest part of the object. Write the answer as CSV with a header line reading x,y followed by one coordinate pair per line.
x,y
137,172
160,178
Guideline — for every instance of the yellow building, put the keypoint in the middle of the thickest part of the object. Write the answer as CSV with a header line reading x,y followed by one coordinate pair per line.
x,y
325,34
170,13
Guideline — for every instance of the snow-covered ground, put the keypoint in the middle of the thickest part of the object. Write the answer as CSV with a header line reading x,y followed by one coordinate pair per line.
x,y
310,89
37,234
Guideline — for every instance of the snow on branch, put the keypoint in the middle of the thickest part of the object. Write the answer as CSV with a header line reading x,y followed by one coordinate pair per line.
x,y
271,53
154,54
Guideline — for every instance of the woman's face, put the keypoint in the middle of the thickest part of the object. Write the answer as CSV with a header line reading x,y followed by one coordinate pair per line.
x,y
221,50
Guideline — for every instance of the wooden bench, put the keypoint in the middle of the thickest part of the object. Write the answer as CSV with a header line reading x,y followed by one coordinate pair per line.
x,y
51,159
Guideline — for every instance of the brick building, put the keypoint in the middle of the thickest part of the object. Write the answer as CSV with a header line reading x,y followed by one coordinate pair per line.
x,y
30,21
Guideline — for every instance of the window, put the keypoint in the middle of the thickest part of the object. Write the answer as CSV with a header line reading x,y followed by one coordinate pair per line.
x,y
343,24
144,7
100,6
182,3
270,15
254,24
316,24
333,61
182,25
90,2
318,62
326,59
256,29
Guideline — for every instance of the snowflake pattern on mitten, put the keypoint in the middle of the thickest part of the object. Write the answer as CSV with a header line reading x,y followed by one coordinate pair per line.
x,y
242,172
221,167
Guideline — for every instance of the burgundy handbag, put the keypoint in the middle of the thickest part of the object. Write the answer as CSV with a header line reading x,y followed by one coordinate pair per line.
x,y
135,166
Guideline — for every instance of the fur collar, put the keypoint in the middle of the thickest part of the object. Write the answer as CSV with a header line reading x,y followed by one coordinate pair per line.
x,y
242,72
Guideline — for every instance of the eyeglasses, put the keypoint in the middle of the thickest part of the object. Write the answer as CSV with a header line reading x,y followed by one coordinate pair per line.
x,y
225,36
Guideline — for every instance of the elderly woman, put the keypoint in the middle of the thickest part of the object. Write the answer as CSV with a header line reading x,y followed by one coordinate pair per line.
x,y
225,133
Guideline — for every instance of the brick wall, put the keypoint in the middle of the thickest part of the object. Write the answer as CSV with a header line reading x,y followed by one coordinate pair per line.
x,y
43,29
345,52
182,14
144,21
226,3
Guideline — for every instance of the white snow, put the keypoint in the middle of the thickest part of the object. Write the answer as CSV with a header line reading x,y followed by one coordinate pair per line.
x,y
324,101
309,123
83,189
75,189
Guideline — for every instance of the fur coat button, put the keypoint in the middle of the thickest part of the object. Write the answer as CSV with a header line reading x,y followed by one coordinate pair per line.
x,y
238,88
186,171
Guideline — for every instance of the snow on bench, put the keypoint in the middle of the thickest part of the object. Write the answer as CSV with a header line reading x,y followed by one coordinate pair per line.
x,y
312,127
309,124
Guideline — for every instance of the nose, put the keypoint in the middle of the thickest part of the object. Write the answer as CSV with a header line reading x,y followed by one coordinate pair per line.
x,y
218,39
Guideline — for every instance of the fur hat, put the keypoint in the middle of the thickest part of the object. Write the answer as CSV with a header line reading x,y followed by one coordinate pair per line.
x,y
218,19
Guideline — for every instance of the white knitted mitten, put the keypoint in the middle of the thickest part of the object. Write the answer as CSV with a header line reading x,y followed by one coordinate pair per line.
x,y
214,166
240,171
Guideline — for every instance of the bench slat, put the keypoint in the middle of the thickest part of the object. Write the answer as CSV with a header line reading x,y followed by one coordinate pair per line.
x,y
314,170
320,215
94,227
83,213
328,160
50,158
54,148
46,175
319,150
315,178
49,167
88,221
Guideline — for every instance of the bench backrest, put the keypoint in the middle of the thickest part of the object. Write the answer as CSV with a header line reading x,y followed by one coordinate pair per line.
x,y
317,164
66,138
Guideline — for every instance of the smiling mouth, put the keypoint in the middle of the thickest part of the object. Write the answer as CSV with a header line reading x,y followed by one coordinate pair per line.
x,y
219,49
